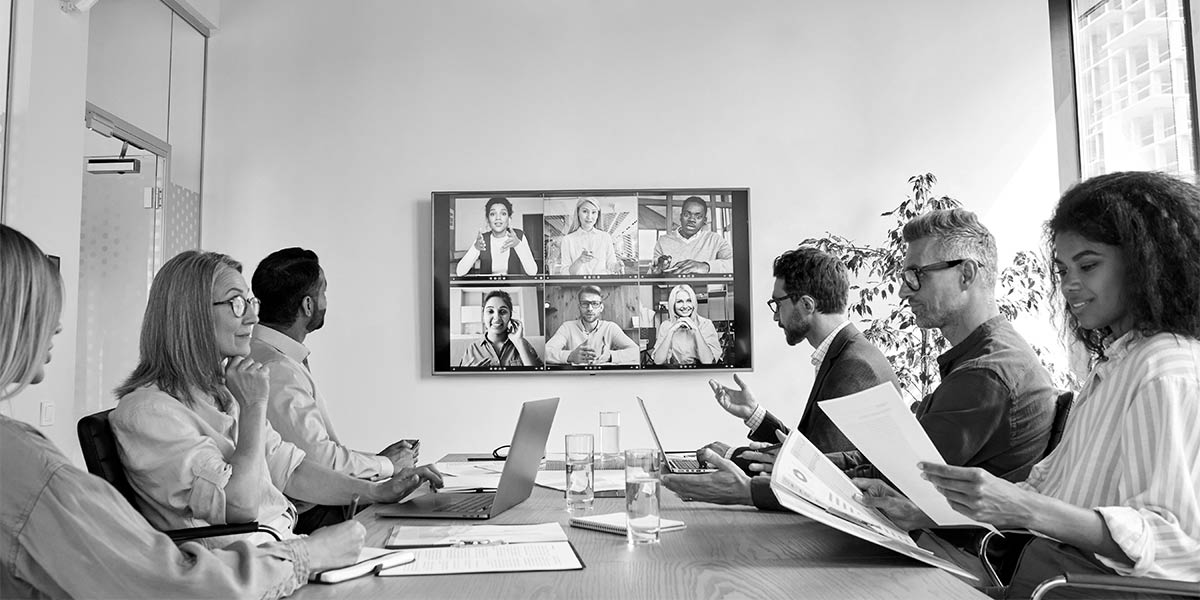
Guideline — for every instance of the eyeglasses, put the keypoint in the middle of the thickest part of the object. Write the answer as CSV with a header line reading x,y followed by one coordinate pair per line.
x,y
591,303
238,304
773,302
912,275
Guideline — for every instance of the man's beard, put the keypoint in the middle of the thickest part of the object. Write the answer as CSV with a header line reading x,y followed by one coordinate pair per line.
x,y
316,322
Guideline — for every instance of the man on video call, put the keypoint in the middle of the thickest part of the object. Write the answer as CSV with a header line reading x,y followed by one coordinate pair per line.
x,y
290,284
591,340
691,248
809,302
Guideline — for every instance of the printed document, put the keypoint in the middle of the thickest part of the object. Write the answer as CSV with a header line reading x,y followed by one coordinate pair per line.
x,y
890,436
489,558
418,536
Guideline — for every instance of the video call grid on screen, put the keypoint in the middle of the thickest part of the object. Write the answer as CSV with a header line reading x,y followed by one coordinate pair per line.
x,y
548,253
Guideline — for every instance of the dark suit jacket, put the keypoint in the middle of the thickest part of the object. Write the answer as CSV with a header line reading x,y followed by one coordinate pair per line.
x,y
852,364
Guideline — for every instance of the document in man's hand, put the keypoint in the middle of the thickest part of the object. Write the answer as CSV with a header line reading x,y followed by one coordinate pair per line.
x,y
807,483
490,558
370,560
889,435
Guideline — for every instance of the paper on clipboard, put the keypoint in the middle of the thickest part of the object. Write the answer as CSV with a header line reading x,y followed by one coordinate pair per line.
x,y
878,424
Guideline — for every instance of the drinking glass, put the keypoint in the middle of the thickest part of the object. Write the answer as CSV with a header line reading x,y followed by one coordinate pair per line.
x,y
610,440
580,477
641,496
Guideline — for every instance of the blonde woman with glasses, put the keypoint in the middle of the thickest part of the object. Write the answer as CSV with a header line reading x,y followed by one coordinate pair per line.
x,y
191,421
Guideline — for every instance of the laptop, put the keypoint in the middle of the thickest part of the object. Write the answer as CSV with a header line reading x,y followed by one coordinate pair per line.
x,y
677,463
516,481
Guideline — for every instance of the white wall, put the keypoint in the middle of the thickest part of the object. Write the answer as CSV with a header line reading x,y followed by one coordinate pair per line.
x,y
45,182
330,123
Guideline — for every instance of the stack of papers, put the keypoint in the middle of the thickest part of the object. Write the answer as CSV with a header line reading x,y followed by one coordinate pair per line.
x,y
606,482
469,477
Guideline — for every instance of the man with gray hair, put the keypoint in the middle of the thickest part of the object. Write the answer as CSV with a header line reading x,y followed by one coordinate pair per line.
x,y
995,403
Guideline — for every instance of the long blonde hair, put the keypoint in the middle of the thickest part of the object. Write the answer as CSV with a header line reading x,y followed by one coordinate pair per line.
x,y
674,295
178,350
576,222
30,307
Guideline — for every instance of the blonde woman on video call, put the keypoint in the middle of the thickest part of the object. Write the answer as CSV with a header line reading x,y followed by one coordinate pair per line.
x,y
686,338
587,249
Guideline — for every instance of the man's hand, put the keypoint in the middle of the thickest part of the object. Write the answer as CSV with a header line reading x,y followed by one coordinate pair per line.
x,y
728,485
335,546
718,448
739,403
247,381
582,354
403,454
981,495
404,482
892,504
761,456
688,265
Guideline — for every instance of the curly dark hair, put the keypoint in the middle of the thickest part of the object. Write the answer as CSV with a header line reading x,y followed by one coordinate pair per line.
x,y
1155,220
817,274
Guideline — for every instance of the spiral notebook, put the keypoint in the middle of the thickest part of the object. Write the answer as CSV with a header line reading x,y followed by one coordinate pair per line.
x,y
615,523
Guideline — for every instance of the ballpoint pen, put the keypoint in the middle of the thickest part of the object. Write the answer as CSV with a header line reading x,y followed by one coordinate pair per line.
x,y
353,508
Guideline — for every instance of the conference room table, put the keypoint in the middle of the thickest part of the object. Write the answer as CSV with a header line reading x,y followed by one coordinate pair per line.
x,y
725,552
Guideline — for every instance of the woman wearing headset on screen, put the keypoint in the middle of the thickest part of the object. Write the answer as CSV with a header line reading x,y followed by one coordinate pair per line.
x,y
499,248
686,338
504,343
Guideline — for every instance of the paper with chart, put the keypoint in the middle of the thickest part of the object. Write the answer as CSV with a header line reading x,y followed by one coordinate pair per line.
x,y
879,425
806,483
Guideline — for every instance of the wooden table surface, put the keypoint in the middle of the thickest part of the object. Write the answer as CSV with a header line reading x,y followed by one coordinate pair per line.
x,y
725,552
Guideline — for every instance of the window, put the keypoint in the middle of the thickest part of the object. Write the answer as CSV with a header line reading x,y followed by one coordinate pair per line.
x,y
1129,75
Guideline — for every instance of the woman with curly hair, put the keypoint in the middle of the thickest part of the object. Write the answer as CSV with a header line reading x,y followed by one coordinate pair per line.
x,y
1120,494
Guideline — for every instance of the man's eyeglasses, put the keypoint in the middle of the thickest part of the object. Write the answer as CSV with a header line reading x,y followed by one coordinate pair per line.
x,y
912,275
773,302
238,305
591,303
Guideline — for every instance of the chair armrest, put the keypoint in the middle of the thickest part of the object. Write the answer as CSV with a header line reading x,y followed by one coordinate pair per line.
x,y
1118,583
192,533
993,571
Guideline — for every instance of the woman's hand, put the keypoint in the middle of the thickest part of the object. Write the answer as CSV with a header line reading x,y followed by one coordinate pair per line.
x,y
247,380
880,496
516,331
981,495
510,240
480,243
335,546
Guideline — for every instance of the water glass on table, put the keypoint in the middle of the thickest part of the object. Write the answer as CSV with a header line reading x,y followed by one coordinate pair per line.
x,y
610,440
641,496
580,476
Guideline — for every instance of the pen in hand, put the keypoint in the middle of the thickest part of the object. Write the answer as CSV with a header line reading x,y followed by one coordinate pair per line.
x,y
353,508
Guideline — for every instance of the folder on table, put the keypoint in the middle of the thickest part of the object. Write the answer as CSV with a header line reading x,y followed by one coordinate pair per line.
x,y
370,560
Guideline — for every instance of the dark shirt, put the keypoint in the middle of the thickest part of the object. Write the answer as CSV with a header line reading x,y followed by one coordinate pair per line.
x,y
992,410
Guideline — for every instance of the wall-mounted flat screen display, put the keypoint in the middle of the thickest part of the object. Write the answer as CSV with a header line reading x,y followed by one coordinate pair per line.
x,y
591,280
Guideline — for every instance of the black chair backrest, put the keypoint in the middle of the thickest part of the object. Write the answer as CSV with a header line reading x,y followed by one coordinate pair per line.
x,y
100,453
1062,408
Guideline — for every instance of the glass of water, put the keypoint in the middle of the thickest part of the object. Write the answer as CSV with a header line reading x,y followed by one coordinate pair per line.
x,y
580,483
610,440
641,495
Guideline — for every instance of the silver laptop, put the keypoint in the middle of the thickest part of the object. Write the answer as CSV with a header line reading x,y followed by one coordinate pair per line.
x,y
674,463
516,481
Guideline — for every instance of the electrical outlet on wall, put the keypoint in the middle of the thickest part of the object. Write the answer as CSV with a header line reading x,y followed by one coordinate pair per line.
x,y
47,418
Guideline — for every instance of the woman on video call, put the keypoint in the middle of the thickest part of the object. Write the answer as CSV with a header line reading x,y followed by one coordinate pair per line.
x,y
503,344
686,338
499,248
586,250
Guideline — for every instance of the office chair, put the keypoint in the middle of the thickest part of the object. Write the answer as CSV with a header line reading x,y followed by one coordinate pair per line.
x,y
1116,583
101,457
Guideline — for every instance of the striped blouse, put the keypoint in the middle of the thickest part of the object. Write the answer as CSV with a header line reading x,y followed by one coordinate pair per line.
x,y
1131,452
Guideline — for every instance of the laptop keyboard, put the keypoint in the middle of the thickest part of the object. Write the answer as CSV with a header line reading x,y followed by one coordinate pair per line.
x,y
684,463
474,504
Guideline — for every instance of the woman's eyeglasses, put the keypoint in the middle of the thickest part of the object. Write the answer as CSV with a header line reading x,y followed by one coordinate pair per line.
x,y
238,305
